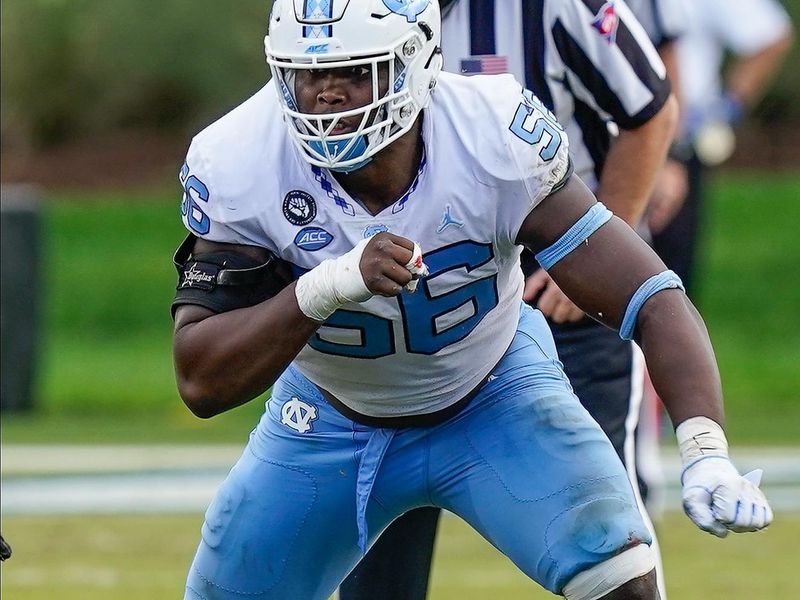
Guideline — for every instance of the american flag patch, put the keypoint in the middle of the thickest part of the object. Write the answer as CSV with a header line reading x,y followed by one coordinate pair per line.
x,y
487,64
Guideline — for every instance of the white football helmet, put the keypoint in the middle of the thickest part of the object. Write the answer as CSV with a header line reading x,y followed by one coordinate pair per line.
x,y
400,37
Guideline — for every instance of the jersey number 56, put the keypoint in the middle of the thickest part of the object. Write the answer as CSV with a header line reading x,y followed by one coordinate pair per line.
x,y
430,322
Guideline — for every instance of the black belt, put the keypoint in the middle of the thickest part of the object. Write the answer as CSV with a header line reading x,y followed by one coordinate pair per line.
x,y
422,420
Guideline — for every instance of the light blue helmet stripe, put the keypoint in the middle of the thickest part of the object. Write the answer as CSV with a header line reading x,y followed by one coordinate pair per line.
x,y
317,9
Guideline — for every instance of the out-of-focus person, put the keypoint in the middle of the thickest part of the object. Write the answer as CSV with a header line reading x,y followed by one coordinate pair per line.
x,y
595,66
757,33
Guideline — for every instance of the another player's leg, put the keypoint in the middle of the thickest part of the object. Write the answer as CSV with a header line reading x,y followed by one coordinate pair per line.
x,y
283,524
528,467
398,565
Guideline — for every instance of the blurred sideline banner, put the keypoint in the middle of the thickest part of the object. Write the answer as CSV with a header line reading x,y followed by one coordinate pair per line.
x,y
20,269
125,479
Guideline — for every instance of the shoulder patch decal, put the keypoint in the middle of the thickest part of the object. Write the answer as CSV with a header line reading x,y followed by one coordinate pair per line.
x,y
606,22
299,207
312,238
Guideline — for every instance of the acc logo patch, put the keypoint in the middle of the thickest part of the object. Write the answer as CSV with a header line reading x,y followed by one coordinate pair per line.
x,y
606,22
299,207
317,49
312,238
298,415
408,8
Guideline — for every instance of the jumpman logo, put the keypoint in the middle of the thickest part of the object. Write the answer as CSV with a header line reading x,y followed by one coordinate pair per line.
x,y
447,220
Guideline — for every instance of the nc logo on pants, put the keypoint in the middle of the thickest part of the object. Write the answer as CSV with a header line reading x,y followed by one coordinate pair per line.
x,y
298,414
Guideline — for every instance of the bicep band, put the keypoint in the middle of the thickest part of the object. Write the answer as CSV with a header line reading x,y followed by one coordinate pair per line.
x,y
666,280
590,222
224,281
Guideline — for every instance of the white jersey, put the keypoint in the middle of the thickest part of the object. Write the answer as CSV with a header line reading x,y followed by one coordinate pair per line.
x,y
589,61
491,154
663,20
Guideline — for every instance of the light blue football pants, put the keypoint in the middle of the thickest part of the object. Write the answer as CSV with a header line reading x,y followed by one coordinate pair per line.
x,y
523,463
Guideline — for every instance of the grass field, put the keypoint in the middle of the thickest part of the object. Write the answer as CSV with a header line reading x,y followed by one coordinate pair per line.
x,y
136,557
106,376
106,372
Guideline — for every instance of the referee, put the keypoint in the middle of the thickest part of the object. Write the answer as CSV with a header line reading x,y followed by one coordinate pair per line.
x,y
591,62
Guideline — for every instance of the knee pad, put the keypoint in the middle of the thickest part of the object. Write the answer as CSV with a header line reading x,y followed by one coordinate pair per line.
x,y
607,576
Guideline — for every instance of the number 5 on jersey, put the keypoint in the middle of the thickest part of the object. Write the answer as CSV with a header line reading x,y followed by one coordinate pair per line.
x,y
534,131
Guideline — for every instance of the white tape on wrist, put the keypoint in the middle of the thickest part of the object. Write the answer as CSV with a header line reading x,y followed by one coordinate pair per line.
x,y
332,284
417,268
699,437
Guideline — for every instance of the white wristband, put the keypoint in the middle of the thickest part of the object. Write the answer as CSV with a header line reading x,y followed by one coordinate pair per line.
x,y
698,437
332,284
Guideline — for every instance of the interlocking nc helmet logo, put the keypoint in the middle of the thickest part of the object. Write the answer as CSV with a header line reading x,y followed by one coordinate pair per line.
x,y
298,414
408,8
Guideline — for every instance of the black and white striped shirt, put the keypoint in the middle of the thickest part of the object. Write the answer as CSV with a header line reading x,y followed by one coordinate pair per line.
x,y
589,61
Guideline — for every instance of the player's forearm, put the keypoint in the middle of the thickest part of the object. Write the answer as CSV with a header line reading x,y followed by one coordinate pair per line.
x,y
227,359
669,56
749,76
680,358
635,156
672,335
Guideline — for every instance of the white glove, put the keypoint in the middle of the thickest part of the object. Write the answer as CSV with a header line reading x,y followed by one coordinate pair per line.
x,y
715,496
719,500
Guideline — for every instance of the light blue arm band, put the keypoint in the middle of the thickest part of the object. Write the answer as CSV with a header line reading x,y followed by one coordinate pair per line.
x,y
666,280
594,218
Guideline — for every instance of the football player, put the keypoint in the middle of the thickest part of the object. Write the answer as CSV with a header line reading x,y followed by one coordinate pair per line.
x,y
406,370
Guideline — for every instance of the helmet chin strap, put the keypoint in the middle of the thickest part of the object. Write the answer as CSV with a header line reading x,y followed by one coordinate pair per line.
x,y
355,151
352,168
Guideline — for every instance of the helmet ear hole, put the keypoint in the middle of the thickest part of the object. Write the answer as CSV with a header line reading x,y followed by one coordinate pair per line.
x,y
426,29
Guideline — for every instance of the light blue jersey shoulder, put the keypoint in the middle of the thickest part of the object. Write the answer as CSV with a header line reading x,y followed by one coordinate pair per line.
x,y
508,133
504,141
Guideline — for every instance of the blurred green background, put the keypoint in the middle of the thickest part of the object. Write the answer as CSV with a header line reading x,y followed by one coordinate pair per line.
x,y
106,371
79,68
98,100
